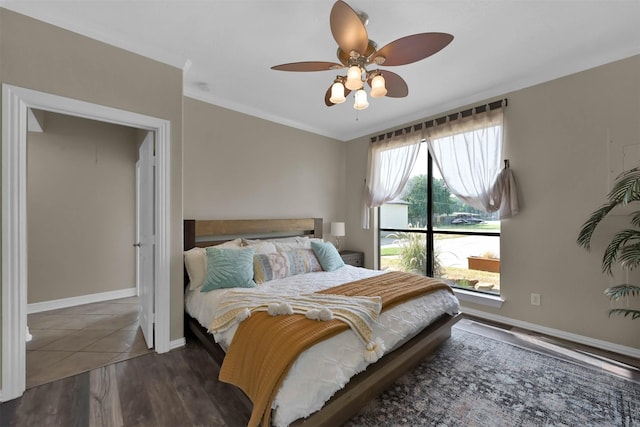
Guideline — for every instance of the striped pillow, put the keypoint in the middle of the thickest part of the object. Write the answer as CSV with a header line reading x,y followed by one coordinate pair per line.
x,y
278,265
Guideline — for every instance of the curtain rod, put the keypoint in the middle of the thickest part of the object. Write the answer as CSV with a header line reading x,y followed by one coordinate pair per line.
x,y
440,120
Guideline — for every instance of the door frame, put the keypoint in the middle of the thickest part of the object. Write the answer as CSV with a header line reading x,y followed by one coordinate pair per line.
x,y
15,104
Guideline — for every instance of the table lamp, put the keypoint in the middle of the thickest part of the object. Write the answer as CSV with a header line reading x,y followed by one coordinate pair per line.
x,y
337,231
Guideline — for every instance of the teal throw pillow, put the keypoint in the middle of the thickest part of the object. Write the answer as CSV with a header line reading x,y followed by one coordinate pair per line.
x,y
328,255
229,268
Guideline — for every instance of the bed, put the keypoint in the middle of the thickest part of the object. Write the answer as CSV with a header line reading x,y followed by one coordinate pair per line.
x,y
297,402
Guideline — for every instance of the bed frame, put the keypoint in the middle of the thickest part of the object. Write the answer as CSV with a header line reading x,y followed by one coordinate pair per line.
x,y
363,387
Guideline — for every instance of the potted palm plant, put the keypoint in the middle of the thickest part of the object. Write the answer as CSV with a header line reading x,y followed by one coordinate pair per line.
x,y
624,247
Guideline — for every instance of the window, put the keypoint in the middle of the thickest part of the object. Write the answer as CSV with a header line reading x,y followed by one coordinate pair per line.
x,y
429,231
449,226
442,218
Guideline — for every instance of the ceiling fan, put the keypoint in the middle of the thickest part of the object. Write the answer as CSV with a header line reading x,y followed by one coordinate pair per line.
x,y
356,51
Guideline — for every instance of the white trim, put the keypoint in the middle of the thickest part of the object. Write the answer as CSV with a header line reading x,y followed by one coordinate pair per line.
x,y
581,339
15,101
479,298
162,233
34,121
14,248
180,342
56,304
186,67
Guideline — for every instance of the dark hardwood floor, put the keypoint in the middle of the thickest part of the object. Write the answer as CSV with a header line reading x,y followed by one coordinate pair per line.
x,y
180,388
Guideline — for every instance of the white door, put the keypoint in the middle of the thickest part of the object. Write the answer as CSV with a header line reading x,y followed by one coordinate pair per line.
x,y
145,261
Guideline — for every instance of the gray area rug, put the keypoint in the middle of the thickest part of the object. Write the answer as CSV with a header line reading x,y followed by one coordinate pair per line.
x,y
478,381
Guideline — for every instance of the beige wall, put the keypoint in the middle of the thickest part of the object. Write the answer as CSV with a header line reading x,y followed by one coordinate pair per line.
x,y
238,166
557,143
42,57
80,208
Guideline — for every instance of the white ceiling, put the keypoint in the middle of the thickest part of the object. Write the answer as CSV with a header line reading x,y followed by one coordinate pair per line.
x,y
227,47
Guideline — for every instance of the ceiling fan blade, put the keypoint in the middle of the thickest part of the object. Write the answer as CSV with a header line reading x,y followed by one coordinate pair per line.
x,y
347,28
327,95
308,66
396,86
411,48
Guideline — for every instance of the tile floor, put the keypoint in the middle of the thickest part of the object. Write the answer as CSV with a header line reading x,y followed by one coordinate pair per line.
x,y
72,340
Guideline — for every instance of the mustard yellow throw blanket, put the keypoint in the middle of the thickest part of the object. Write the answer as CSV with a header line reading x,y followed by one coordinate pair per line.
x,y
264,347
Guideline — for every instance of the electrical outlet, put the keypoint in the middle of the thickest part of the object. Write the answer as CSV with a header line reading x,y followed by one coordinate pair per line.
x,y
535,299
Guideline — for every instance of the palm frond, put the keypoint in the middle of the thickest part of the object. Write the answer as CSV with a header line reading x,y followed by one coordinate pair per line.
x,y
622,291
625,245
620,240
629,256
635,218
589,227
624,312
626,188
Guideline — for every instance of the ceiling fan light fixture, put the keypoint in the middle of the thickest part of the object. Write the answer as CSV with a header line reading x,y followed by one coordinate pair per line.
x,y
354,78
356,51
361,100
378,88
337,93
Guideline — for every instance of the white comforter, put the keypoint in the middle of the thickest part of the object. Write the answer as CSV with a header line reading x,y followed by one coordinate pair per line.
x,y
326,367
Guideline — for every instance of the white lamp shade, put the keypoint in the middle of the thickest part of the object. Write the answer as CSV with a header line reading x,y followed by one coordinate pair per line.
x,y
337,93
337,229
354,78
361,100
378,88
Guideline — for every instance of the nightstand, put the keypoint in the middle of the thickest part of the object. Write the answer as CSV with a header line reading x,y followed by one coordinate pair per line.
x,y
354,258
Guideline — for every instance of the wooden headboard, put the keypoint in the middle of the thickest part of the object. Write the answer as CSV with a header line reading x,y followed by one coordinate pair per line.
x,y
203,233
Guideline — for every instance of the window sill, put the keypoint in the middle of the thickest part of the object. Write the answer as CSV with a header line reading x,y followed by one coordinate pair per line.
x,y
477,298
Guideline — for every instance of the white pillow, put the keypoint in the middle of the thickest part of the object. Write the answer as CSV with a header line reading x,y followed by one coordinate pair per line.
x,y
261,247
235,243
195,260
298,242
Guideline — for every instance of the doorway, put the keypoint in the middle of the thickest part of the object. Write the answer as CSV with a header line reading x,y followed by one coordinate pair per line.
x,y
82,301
16,103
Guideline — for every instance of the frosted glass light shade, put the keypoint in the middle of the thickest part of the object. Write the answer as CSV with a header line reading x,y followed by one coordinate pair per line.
x,y
361,100
378,88
337,93
354,78
337,229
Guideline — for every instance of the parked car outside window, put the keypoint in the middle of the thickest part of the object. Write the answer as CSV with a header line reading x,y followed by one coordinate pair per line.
x,y
466,218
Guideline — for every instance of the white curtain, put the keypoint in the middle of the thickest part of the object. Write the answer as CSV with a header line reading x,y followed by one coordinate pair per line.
x,y
468,153
390,165
504,193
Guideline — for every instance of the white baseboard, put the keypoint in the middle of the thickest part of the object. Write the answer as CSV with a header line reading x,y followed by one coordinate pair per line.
x,y
581,339
180,342
83,299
